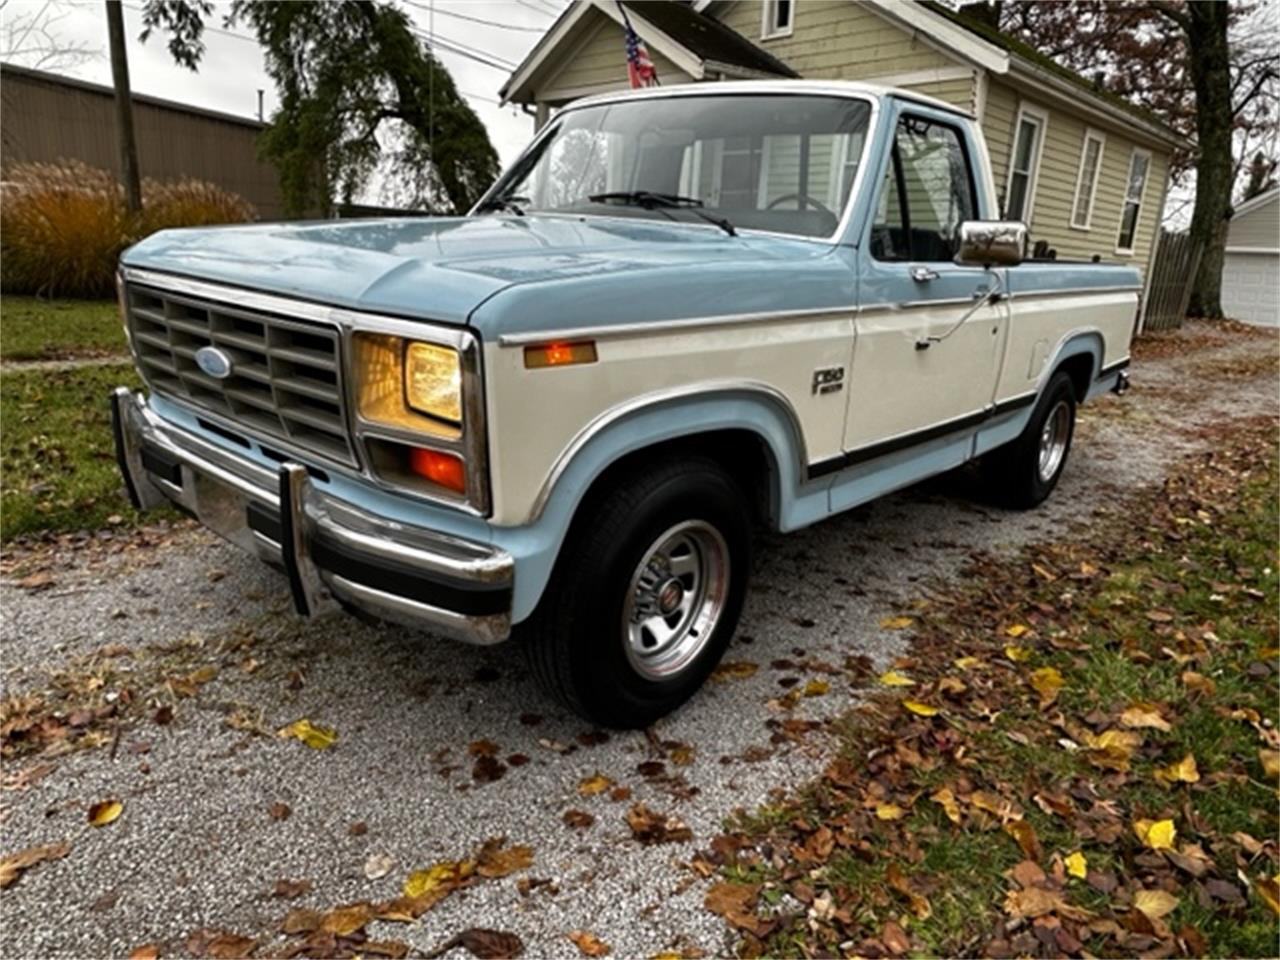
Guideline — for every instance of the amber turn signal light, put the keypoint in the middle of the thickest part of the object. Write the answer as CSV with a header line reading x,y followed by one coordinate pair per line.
x,y
442,468
559,354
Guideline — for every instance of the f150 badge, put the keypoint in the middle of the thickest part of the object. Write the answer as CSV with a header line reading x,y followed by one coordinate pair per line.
x,y
828,380
214,362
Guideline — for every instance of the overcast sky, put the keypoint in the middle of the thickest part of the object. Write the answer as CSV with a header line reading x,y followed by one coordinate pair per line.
x,y
232,71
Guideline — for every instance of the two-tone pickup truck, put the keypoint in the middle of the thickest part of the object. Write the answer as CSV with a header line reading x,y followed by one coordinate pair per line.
x,y
683,313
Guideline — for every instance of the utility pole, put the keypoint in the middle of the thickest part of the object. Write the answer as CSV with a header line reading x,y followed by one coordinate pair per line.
x,y
128,145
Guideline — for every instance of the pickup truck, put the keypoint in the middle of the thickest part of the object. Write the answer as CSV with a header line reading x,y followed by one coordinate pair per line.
x,y
683,314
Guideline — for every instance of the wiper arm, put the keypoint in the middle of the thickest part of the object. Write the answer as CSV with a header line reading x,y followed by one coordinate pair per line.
x,y
508,202
662,202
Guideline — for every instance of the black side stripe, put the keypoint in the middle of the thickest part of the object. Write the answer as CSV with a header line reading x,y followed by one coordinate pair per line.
x,y
883,449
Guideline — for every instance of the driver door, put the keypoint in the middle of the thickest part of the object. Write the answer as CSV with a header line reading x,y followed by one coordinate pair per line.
x,y
905,388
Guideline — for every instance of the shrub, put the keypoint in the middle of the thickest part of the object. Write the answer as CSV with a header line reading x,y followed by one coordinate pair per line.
x,y
63,225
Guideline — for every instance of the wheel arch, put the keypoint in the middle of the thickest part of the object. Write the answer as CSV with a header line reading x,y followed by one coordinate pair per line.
x,y
750,426
1080,353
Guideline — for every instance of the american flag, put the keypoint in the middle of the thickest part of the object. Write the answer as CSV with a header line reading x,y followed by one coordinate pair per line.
x,y
640,69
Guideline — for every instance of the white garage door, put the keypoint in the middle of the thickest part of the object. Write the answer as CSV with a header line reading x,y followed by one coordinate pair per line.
x,y
1251,287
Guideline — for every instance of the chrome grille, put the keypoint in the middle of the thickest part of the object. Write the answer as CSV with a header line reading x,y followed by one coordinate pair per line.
x,y
286,375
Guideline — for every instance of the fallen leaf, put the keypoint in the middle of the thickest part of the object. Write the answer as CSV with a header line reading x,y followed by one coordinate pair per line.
x,y
1144,715
889,811
1155,903
1077,865
736,903
947,800
589,944
495,859
378,866
892,678
445,875
1184,771
148,951
1025,835
734,670
291,889
816,688
1016,630
315,737
279,811
897,880
1047,682
895,938
108,811
1199,683
1269,889
346,920
896,623
920,709
484,944
967,663
300,920
590,786
1018,654
650,827
1156,834
1270,760
577,819
13,866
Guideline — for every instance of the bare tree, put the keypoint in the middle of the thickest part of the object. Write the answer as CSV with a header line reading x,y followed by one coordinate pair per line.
x,y
29,36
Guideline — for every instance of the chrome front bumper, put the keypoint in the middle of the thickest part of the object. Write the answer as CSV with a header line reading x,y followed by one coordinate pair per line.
x,y
333,553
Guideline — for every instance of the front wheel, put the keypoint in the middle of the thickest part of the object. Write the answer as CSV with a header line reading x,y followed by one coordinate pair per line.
x,y
646,594
1024,472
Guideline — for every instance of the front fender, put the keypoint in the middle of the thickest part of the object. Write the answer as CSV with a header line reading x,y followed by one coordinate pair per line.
x,y
645,422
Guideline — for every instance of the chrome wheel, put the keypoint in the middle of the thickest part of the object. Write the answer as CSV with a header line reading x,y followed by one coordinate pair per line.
x,y
675,599
1054,436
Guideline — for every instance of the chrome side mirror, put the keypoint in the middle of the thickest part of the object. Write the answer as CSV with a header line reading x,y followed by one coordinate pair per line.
x,y
992,243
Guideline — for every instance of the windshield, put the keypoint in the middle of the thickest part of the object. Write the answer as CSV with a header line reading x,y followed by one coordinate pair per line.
x,y
783,163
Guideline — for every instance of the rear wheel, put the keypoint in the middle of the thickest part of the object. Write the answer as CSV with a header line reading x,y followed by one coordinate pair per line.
x,y
646,594
1023,473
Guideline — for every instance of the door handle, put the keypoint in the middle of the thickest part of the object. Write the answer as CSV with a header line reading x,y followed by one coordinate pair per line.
x,y
923,274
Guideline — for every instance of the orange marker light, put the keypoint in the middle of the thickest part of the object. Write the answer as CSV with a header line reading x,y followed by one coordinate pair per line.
x,y
559,354
442,468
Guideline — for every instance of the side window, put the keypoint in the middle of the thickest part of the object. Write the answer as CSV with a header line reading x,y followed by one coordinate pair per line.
x,y
928,192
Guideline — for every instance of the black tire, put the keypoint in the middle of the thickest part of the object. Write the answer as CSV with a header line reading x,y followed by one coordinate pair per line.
x,y
1013,472
576,641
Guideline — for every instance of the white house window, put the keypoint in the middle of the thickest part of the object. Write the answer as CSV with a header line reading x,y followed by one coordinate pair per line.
x,y
1087,179
1139,167
778,17
1024,164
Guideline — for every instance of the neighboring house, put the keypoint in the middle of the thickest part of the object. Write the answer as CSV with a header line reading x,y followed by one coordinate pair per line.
x,y
49,117
1086,171
1251,270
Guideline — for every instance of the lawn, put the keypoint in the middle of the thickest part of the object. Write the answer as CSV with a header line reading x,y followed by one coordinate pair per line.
x,y
36,329
59,468
1077,756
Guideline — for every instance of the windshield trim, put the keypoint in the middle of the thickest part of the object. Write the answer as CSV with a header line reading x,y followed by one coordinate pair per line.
x,y
855,189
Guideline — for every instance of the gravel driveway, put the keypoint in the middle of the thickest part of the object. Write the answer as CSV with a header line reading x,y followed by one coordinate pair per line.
x,y
441,746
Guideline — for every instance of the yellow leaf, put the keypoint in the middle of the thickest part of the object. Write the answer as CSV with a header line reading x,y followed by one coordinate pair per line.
x,y
315,737
1077,865
947,800
1018,654
1184,771
920,709
967,663
892,678
816,688
446,874
1144,715
589,944
889,811
1157,834
896,623
590,786
344,921
1269,889
1155,903
1017,630
1046,681
100,814
1270,760
734,670
1199,683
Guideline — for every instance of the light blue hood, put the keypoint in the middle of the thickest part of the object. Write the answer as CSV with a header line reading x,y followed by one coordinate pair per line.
x,y
500,273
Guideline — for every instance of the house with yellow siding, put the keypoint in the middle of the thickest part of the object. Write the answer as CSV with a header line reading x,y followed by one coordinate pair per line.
x,y
1085,170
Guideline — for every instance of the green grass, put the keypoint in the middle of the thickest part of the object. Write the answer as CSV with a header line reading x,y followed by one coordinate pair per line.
x,y
36,329
59,468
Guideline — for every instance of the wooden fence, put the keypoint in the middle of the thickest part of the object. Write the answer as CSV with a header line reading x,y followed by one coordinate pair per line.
x,y
1172,275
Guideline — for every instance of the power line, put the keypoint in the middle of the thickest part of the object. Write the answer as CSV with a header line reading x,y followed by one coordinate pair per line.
x,y
463,16
539,7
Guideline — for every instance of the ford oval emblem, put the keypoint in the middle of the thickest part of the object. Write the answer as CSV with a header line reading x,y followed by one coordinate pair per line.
x,y
216,363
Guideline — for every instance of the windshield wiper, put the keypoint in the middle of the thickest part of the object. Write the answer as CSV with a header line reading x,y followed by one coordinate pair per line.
x,y
507,202
662,202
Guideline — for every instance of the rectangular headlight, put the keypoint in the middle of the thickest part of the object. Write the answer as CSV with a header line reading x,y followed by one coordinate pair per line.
x,y
433,381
